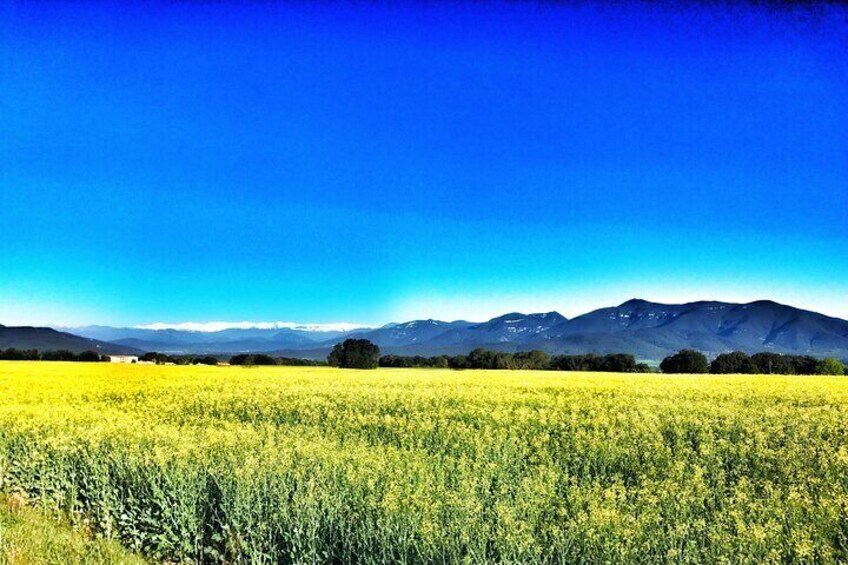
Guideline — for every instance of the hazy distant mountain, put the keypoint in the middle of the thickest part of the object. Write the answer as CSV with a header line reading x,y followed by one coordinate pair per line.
x,y
410,333
646,329
48,339
224,341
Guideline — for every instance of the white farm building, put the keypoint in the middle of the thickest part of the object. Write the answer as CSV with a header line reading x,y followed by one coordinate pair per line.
x,y
123,358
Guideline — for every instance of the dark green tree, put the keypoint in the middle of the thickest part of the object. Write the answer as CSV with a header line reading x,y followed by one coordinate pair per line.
x,y
587,362
263,359
830,366
89,357
12,354
536,360
685,361
354,354
158,358
736,362
59,355
619,363
206,360
248,359
768,363
458,362
804,364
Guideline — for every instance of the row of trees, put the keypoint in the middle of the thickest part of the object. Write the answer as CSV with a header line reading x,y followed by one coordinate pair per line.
x,y
410,361
538,360
484,359
613,363
240,359
362,354
12,354
263,359
164,359
739,362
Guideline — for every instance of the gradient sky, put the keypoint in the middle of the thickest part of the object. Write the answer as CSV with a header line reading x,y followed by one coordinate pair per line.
x,y
367,163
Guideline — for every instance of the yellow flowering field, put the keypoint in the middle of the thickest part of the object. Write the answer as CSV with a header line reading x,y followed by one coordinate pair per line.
x,y
319,465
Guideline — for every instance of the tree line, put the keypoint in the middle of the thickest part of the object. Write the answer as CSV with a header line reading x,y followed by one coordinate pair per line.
x,y
739,362
264,359
13,354
165,359
239,359
362,354
536,360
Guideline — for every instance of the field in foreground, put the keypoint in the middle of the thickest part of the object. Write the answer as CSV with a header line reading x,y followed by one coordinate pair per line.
x,y
28,537
313,465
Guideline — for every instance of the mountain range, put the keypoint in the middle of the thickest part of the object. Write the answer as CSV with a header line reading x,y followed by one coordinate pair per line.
x,y
648,330
49,339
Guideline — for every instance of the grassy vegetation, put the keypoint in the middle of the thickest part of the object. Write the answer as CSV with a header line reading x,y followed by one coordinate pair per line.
x,y
314,464
28,537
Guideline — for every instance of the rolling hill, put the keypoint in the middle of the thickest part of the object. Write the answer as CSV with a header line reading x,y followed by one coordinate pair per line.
x,y
48,339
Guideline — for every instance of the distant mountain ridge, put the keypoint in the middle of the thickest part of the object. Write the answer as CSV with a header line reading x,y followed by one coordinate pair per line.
x,y
648,330
48,339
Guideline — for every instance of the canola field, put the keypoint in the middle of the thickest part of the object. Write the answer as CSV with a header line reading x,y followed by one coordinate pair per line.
x,y
322,465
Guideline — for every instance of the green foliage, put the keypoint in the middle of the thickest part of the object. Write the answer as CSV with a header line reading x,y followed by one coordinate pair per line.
x,y
59,355
775,364
612,363
12,354
410,361
206,360
252,359
619,363
734,363
158,358
31,537
89,357
830,366
772,364
354,354
685,361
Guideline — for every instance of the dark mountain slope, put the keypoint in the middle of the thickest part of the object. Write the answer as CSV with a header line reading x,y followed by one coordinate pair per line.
x,y
48,339
713,327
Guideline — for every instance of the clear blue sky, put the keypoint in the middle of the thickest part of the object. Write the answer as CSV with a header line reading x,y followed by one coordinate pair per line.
x,y
367,163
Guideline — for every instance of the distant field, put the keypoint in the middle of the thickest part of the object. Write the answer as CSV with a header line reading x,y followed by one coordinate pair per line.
x,y
313,465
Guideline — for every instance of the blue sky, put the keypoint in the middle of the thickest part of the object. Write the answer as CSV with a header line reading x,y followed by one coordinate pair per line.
x,y
368,163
